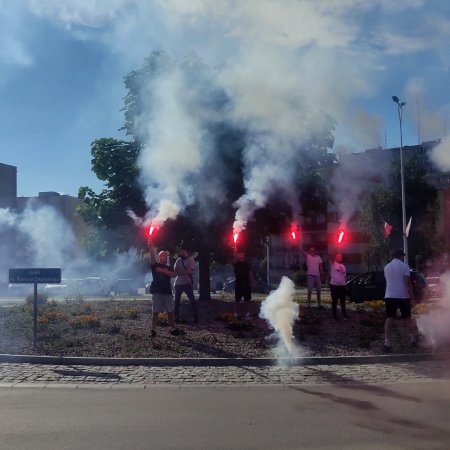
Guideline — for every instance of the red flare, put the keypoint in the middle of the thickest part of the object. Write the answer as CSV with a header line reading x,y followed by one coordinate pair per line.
x,y
235,237
341,236
295,232
151,230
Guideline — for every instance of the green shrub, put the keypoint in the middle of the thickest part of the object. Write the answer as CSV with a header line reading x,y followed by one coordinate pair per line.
x,y
86,321
133,312
116,314
42,298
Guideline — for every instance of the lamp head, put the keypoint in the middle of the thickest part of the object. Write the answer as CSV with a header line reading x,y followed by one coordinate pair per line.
x,y
395,99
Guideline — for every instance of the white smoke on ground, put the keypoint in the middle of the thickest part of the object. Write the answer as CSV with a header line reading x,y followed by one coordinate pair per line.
x,y
434,325
280,311
440,155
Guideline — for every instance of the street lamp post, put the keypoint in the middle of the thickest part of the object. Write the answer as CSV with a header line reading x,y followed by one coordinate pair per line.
x,y
400,106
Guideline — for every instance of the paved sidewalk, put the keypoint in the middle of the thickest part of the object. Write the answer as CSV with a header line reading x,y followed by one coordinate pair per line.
x,y
145,376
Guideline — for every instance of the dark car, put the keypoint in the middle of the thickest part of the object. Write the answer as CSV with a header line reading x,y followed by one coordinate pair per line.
x,y
372,286
125,286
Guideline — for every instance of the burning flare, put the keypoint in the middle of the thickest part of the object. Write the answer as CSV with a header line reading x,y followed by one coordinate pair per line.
x,y
341,236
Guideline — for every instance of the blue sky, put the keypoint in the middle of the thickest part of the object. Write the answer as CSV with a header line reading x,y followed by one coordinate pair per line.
x,y
62,64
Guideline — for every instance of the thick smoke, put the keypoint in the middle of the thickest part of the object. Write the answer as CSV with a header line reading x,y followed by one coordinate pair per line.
x,y
39,237
356,175
440,155
282,65
280,311
41,233
175,144
434,325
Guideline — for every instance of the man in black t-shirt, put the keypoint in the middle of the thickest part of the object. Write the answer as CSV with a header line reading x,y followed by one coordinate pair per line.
x,y
161,289
243,285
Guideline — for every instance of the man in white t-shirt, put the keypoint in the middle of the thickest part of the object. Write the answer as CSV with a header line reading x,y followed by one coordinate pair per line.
x,y
314,275
399,296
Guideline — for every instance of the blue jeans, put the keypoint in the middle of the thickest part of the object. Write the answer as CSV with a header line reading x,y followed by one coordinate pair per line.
x,y
189,291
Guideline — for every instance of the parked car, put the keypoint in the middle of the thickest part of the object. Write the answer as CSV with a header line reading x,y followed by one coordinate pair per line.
x,y
94,286
372,286
124,286
260,288
65,288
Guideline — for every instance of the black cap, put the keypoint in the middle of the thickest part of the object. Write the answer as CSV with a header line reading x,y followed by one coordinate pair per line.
x,y
399,253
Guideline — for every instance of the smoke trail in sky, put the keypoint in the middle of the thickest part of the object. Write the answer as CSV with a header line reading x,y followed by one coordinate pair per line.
x,y
283,66
174,145
280,311
440,155
355,175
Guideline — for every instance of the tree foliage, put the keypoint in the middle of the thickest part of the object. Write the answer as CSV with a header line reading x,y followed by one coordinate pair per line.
x,y
203,226
385,205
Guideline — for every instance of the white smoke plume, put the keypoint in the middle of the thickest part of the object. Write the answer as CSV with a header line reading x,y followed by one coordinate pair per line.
x,y
355,175
175,146
434,325
282,64
440,155
280,311
39,237
46,236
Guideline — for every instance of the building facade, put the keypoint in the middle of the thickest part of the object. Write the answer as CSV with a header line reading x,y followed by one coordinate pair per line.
x,y
355,176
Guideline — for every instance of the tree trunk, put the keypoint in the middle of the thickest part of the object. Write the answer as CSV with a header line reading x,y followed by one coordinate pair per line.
x,y
204,275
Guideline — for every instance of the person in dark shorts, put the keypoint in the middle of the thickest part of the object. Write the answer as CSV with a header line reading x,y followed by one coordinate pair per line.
x,y
399,296
243,285
161,289
184,282
338,285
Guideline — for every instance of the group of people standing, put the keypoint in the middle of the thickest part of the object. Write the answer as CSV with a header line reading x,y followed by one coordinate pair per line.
x,y
182,271
161,288
399,294
399,290
315,277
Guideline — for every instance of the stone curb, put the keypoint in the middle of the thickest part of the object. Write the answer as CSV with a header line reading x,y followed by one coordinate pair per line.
x,y
221,362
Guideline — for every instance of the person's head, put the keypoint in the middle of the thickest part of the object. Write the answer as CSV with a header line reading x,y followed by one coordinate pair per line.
x,y
183,253
163,257
312,250
338,258
399,254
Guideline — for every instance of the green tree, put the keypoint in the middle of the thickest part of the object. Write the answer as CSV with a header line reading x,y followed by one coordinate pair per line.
x,y
205,225
384,204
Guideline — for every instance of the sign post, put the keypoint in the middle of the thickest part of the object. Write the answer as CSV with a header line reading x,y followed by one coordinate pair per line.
x,y
35,276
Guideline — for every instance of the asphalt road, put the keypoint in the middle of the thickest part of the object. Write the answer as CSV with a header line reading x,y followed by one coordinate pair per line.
x,y
350,416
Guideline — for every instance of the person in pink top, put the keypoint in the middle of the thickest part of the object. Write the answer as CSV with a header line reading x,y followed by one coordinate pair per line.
x,y
314,275
338,285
